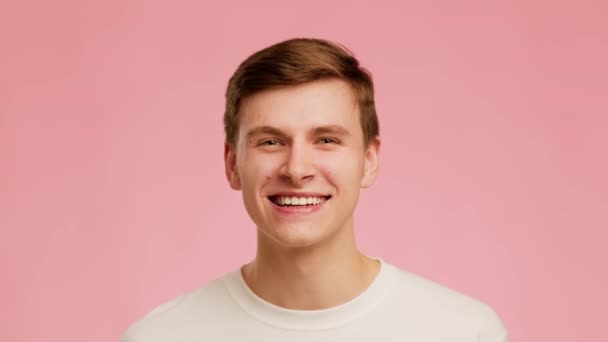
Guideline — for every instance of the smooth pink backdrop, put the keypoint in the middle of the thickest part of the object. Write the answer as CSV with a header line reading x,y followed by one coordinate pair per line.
x,y
493,164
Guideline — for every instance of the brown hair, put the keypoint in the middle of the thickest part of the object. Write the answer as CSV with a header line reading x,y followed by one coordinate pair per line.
x,y
296,61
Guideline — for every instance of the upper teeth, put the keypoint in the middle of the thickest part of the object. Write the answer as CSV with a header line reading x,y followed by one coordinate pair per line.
x,y
299,200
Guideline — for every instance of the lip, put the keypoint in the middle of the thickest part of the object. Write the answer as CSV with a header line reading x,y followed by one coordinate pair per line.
x,y
297,211
299,194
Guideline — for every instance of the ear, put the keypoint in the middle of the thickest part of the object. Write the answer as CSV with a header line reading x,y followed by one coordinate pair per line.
x,y
370,169
232,174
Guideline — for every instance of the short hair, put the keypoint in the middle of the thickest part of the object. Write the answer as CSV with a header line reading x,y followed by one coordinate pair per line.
x,y
297,61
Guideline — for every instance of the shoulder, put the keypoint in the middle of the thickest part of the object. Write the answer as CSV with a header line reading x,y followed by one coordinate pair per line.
x,y
448,308
173,315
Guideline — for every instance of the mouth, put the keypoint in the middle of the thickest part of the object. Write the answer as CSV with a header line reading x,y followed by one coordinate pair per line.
x,y
295,201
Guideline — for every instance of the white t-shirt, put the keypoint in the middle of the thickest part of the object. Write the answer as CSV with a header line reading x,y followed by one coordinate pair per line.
x,y
397,306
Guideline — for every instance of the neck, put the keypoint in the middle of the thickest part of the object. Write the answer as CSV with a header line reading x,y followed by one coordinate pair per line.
x,y
313,277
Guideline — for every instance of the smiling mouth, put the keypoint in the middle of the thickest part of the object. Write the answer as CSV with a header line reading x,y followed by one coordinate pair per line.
x,y
291,201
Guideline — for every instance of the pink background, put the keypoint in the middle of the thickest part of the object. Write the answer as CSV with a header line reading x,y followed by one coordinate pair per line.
x,y
112,193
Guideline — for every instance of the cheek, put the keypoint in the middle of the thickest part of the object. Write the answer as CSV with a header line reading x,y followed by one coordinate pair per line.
x,y
258,167
341,168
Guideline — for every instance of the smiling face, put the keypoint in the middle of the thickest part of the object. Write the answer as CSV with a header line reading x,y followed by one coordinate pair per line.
x,y
300,161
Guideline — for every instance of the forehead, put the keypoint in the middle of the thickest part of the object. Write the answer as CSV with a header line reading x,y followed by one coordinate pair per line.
x,y
322,102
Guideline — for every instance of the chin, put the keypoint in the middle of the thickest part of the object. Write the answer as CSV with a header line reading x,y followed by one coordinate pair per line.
x,y
293,235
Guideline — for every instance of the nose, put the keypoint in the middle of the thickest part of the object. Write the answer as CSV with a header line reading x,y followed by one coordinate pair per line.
x,y
298,167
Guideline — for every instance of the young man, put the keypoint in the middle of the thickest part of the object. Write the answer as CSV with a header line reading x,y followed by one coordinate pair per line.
x,y
301,141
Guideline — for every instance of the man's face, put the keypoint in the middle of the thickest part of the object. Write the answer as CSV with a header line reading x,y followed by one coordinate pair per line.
x,y
301,145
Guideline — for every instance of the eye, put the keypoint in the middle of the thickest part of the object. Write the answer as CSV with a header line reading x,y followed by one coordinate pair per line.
x,y
270,142
328,140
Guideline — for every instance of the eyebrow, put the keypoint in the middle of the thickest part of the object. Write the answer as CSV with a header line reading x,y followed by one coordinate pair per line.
x,y
263,130
331,129
328,129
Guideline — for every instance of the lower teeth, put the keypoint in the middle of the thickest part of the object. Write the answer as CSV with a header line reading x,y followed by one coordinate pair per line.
x,y
297,205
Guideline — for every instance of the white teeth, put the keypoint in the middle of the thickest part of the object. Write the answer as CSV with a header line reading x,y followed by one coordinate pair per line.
x,y
299,200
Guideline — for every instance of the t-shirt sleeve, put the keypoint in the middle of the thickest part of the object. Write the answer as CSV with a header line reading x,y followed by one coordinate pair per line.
x,y
493,328
143,328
